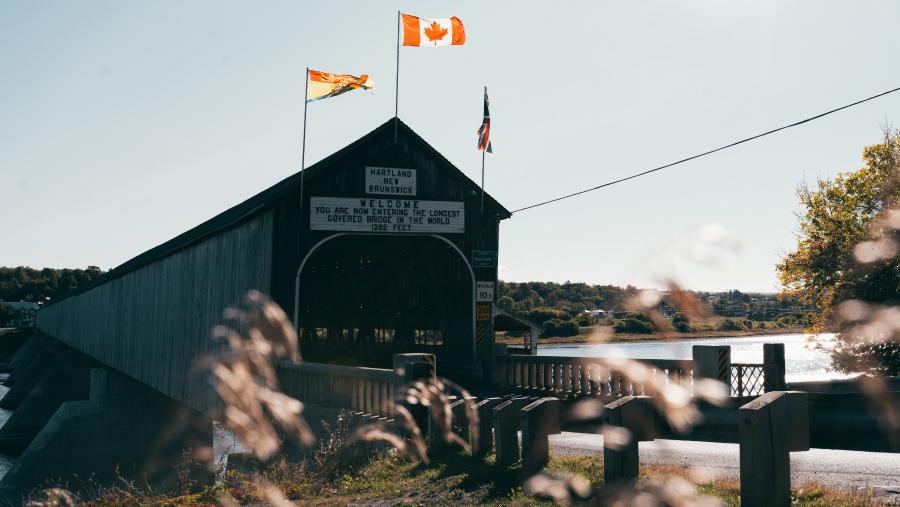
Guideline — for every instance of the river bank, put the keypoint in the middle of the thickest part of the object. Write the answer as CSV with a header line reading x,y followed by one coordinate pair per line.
x,y
586,335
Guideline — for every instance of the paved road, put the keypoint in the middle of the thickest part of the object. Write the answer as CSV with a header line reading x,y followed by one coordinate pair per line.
x,y
840,469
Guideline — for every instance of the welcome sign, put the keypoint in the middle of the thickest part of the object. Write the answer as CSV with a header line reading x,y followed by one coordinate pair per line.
x,y
365,214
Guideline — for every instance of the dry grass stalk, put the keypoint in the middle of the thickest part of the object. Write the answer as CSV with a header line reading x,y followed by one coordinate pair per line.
x,y
413,447
246,381
660,491
560,488
52,497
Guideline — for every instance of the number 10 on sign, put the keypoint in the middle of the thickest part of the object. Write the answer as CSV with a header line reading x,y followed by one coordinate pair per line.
x,y
484,292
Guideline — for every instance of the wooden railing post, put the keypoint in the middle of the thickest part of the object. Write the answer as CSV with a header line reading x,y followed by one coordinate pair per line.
x,y
414,366
773,367
461,418
408,368
770,427
500,366
713,361
506,428
635,414
485,409
540,419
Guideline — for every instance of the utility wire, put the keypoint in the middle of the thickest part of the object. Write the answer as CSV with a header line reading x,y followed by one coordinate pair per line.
x,y
757,136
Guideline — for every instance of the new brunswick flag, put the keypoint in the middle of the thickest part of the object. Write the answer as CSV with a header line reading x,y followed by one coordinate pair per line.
x,y
423,32
322,85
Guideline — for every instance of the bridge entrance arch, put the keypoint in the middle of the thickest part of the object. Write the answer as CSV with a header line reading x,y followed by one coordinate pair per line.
x,y
360,298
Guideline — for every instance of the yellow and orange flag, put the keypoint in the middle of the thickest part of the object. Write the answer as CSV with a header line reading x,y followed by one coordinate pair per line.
x,y
322,85
423,32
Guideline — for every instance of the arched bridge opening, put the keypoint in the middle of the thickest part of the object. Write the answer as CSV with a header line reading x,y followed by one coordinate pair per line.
x,y
363,298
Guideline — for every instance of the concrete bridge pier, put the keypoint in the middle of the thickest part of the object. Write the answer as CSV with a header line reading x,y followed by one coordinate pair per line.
x,y
51,374
124,429
63,383
26,353
28,374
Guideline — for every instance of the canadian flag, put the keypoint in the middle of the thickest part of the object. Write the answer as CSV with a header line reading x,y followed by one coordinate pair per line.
x,y
423,32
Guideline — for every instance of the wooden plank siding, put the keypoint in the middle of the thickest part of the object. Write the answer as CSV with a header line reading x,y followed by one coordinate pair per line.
x,y
153,323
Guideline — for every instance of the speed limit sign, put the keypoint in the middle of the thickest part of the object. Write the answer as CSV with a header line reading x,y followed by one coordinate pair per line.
x,y
484,292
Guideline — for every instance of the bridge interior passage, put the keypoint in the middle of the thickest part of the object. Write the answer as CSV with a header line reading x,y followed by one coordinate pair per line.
x,y
364,298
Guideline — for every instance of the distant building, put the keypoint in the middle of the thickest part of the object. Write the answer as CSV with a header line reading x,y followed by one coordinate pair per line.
x,y
600,314
24,312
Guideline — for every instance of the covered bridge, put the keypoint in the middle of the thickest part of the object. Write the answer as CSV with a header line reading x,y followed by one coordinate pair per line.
x,y
378,249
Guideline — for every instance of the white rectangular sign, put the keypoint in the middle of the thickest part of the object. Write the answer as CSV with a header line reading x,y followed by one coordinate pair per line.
x,y
484,292
367,214
391,181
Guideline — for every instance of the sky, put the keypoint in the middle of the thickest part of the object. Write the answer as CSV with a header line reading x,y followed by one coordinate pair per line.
x,y
123,124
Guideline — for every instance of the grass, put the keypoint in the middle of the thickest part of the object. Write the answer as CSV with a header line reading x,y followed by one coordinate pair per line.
x,y
454,480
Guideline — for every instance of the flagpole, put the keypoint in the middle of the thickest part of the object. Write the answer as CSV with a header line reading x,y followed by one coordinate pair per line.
x,y
397,81
482,181
303,149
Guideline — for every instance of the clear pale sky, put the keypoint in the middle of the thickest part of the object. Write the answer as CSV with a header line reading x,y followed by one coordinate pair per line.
x,y
123,124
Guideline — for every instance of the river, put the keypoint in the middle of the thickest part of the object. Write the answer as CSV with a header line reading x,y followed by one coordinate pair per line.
x,y
806,356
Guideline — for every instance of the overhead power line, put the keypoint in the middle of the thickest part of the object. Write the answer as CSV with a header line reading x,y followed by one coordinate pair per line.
x,y
757,136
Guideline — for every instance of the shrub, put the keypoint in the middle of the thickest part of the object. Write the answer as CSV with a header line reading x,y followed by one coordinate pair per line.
x,y
785,321
585,320
559,327
681,323
634,323
543,314
731,325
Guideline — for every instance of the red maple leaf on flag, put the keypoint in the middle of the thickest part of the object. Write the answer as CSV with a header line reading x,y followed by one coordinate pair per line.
x,y
435,31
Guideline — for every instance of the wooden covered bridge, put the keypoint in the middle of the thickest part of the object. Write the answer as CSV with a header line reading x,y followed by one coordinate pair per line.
x,y
381,248
373,258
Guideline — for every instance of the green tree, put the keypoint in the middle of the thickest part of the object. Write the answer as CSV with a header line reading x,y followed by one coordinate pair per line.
x,y
842,216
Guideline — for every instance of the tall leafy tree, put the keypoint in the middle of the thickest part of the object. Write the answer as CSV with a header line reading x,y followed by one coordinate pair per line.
x,y
847,251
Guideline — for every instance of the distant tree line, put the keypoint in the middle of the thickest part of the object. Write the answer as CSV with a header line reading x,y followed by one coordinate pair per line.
x,y
572,297
561,308
43,285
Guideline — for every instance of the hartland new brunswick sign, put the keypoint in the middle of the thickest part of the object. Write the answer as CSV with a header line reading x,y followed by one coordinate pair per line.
x,y
387,214
390,181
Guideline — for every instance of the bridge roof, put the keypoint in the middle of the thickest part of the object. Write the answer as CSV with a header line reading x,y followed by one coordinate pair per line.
x,y
265,199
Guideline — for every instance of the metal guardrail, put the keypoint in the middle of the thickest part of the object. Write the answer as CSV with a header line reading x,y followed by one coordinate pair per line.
x,y
580,376
359,389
